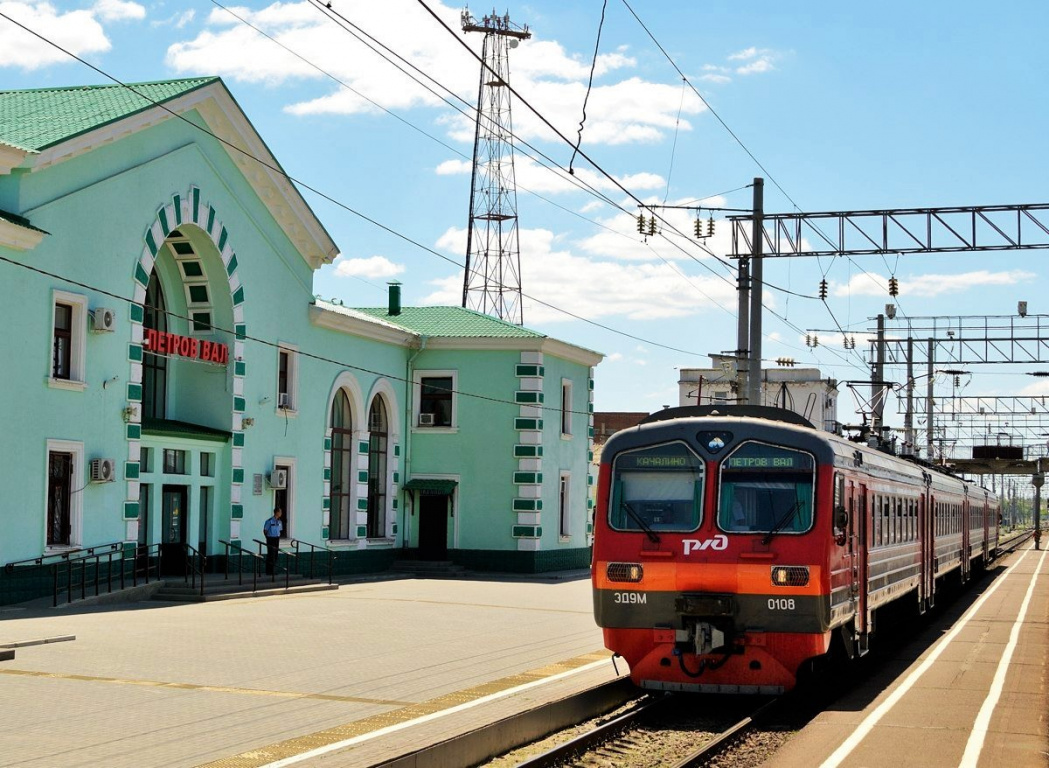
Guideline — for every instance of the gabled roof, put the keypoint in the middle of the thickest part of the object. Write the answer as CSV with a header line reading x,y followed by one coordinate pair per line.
x,y
41,118
44,127
455,322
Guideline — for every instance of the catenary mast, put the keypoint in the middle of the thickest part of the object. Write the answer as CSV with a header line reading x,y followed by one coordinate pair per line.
x,y
492,282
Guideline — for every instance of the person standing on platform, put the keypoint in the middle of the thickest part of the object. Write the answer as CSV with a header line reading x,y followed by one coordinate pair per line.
x,y
272,530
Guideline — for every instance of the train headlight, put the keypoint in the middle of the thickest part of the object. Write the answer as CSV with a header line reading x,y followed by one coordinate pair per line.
x,y
790,575
630,572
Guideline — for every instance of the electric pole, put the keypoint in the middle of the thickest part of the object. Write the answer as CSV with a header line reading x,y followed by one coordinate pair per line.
x,y
492,280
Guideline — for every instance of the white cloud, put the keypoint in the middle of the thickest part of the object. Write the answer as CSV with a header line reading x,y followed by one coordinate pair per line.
x,y
77,31
611,288
118,10
927,286
756,67
629,111
716,78
374,267
615,357
746,53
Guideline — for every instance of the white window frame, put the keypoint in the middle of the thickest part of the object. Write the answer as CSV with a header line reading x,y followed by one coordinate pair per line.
x,y
293,380
564,505
289,517
417,386
76,501
566,407
77,342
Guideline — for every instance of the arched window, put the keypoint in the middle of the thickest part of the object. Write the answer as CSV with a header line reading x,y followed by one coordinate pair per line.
x,y
341,524
377,445
155,367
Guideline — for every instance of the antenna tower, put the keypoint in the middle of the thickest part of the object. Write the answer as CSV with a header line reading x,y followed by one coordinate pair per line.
x,y
492,283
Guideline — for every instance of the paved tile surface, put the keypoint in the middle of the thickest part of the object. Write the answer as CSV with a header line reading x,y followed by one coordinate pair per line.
x,y
185,684
931,723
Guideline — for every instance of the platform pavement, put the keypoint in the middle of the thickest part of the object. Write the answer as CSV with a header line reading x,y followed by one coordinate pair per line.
x,y
969,693
161,684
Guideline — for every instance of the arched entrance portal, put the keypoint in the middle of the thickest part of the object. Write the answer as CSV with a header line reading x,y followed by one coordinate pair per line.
x,y
185,432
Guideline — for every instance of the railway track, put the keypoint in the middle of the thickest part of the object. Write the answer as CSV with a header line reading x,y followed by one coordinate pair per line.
x,y
666,730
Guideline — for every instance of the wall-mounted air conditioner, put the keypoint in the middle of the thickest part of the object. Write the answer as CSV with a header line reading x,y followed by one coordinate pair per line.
x,y
284,400
103,470
105,320
278,479
426,419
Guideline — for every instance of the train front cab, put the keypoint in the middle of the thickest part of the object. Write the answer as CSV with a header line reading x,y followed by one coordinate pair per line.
x,y
710,556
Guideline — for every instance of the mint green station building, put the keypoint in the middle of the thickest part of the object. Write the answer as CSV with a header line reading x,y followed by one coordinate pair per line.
x,y
171,378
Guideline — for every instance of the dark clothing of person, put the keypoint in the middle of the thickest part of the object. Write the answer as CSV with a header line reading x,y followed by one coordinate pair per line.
x,y
272,530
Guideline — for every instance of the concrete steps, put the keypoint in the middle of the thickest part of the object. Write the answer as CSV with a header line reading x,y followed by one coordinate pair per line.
x,y
222,589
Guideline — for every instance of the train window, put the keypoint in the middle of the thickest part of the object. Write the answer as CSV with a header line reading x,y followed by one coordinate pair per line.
x,y
657,489
766,488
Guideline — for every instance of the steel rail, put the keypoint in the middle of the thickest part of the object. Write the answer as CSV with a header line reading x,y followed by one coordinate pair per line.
x,y
727,737
603,732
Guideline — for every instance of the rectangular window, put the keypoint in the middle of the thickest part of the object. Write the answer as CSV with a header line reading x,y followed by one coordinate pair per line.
x,y
61,355
207,464
68,340
59,498
287,360
144,492
206,493
174,462
566,407
145,461
435,401
564,505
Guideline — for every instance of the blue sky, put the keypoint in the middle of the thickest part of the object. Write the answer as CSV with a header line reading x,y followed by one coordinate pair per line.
x,y
846,106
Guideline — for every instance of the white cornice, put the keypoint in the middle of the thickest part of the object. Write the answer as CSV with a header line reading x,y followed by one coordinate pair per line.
x,y
225,120
345,320
11,157
18,237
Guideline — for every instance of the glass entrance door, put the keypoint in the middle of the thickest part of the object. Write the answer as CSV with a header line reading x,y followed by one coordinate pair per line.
x,y
174,511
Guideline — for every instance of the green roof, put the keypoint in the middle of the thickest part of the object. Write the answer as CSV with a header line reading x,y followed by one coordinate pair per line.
x,y
20,221
430,487
452,322
173,428
41,118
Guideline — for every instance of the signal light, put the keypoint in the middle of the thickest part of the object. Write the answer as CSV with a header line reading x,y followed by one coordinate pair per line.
x,y
641,223
823,289
894,286
790,575
628,572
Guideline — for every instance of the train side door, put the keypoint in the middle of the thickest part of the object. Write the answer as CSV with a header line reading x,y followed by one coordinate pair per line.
x,y
927,578
966,563
858,555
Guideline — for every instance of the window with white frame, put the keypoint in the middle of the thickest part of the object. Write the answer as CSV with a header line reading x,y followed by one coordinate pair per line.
x,y
287,377
284,498
435,398
566,407
68,339
564,505
342,524
65,481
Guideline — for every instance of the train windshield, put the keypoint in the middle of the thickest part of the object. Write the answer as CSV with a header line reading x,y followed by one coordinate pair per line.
x,y
657,489
767,489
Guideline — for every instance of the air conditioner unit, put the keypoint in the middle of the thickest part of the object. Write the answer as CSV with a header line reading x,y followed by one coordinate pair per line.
x,y
284,400
426,419
278,479
103,470
105,320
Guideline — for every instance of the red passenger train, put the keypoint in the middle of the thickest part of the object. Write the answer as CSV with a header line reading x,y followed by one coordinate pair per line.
x,y
732,546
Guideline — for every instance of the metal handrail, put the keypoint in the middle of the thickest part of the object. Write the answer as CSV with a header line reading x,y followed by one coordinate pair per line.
x,y
295,543
142,553
192,569
71,559
240,563
276,565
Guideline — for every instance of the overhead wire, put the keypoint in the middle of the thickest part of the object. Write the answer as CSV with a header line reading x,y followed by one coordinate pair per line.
x,y
280,171
265,342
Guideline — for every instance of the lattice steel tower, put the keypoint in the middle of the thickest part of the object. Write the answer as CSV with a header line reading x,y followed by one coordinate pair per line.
x,y
492,283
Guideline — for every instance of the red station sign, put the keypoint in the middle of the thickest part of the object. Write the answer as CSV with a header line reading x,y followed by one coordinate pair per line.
x,y
172,344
